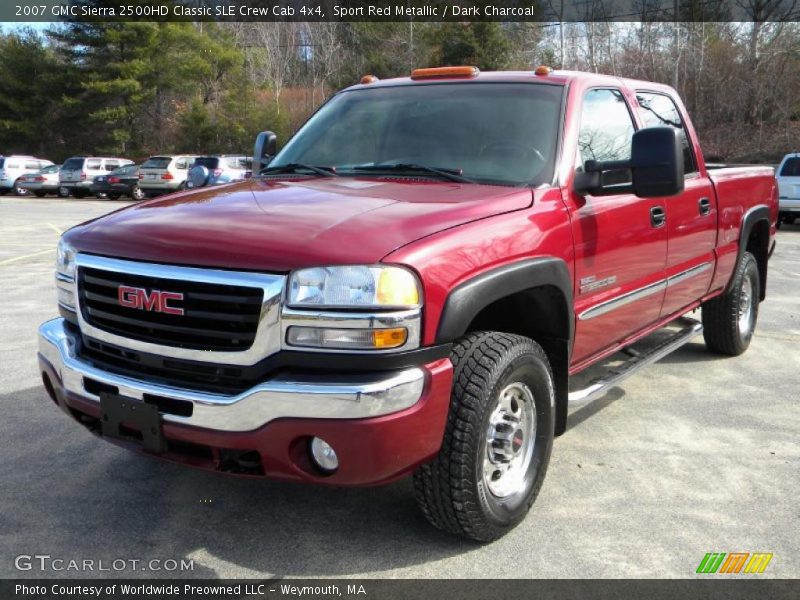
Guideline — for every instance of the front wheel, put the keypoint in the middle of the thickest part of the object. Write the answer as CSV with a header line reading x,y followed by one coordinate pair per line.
x,y
498,438
729,320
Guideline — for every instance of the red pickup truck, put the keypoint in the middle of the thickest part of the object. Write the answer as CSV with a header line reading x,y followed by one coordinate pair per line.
x,y
408,285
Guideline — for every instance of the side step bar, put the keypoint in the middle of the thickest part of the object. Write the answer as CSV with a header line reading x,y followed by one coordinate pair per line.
x,y
600,386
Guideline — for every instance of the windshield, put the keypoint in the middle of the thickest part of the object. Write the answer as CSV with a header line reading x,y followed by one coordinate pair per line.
x,y
791,168
209,162
502,133
157,162
73,164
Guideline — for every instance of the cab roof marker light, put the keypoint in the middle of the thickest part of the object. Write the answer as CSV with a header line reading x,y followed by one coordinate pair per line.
x,y
543,70
367,79
439,72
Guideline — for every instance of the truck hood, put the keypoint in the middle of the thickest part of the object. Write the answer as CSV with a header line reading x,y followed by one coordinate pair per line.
x,y
270,225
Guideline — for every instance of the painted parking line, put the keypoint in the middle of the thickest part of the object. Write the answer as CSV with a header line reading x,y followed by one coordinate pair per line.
x,y
14,259
54,228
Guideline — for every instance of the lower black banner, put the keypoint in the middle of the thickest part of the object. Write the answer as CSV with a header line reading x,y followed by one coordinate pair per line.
x,y
436,589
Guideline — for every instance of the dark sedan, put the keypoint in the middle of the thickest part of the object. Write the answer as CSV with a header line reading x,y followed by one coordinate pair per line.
x,y
123,181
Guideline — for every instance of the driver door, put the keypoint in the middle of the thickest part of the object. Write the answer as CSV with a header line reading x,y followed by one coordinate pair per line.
x,y
620,240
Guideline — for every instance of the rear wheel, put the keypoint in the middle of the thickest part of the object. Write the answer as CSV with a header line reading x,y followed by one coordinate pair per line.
x,y
497,441
20,191
137,193
730,320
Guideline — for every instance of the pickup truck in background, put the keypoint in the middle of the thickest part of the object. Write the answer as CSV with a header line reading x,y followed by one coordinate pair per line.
x,y
409,285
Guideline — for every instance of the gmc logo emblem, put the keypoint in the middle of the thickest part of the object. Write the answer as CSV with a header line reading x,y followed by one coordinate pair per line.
x,y
154,300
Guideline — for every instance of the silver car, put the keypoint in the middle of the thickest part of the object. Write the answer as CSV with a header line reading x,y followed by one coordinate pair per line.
x,y
165,173
12,168
78,173
41,183
218,169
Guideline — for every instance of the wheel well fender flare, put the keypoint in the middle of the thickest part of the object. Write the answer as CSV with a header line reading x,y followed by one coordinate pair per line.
x,y
755,214
469,298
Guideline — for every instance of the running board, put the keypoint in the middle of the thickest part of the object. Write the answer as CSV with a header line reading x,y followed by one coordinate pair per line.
x,y
600,386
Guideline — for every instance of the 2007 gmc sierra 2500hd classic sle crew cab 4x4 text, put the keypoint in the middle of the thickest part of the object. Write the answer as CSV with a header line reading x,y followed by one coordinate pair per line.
x,y
407,286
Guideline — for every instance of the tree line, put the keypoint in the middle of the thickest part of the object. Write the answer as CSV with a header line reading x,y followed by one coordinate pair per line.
x,y
136,89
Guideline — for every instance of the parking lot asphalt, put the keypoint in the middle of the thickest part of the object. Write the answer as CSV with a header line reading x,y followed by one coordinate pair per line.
x,y
696,454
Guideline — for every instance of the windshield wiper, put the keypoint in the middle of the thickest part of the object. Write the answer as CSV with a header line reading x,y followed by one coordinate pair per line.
x,y
443,172
295,166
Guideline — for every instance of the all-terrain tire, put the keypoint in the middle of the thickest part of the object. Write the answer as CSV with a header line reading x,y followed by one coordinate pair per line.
x,y
729,320
453,491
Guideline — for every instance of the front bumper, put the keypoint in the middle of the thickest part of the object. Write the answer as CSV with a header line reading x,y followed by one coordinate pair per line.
x,y
381,425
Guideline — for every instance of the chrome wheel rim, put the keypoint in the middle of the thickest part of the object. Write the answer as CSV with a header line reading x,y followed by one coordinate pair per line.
x,y
746,306
510,440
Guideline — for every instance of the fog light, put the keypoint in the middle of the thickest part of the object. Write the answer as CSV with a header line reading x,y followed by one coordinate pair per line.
x,y
324,456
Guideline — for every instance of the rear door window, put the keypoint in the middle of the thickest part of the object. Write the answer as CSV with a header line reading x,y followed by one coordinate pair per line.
x,y
658,110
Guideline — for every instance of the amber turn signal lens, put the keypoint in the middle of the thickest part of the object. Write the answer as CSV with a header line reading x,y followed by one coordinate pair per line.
x,y
434,72
389,338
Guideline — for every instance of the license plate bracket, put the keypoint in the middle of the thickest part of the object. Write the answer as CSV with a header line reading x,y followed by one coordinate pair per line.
x,y
117,410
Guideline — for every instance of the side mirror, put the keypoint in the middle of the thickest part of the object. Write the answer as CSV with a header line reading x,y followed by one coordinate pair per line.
x,y
655,167
265,149
657,162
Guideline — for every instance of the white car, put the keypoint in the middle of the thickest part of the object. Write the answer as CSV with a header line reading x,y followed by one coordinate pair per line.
x,y
165,173
41,183
77,173
12,168
788,176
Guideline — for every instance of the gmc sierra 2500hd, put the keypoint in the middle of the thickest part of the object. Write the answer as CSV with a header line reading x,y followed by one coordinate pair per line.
x,y
408,285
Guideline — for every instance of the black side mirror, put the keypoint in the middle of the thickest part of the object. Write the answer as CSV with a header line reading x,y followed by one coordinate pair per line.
x,y
266,148
655,167
657,162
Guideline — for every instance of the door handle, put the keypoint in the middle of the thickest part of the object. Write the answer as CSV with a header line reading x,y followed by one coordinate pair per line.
x,y
657,216
705,206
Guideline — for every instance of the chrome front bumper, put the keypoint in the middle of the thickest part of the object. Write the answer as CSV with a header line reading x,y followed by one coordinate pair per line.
x,y
285,396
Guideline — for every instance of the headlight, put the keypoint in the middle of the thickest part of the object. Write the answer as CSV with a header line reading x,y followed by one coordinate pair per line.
x,y
379,286
65,275
65,259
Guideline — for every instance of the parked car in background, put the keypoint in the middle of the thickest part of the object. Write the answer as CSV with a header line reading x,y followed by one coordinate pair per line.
x,y
41,183
120,182
165,173
14,167
77,173
218,169
788,176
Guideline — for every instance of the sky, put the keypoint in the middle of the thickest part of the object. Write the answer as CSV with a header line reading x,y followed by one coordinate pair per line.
x,y
35,25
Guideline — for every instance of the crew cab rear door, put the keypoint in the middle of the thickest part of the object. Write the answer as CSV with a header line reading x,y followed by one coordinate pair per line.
x,y
691,216
620,240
